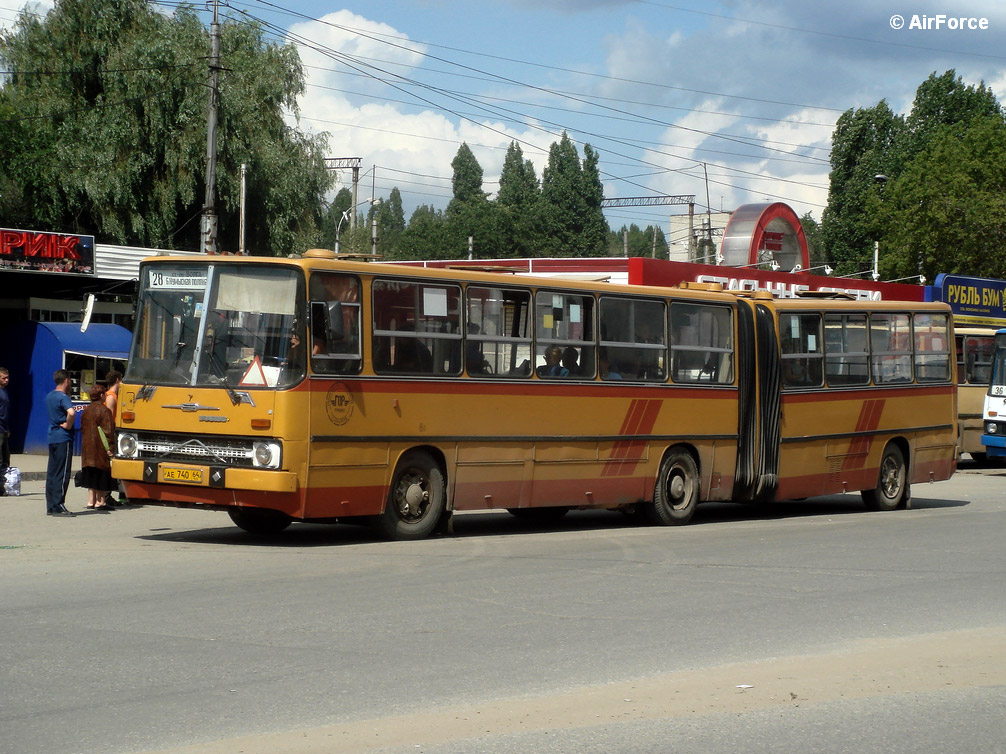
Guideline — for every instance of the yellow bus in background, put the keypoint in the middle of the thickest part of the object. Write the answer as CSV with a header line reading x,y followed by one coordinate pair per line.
x,y
319,389
975,347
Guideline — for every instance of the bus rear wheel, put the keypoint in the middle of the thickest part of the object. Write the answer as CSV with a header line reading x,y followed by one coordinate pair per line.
x,y
892,486
676,492
259,520
416,500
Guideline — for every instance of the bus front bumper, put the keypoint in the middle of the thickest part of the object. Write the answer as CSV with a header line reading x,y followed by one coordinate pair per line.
x,y
194,476
995,445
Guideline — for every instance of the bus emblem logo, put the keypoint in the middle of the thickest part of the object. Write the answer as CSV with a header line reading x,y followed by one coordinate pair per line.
x,y
339,404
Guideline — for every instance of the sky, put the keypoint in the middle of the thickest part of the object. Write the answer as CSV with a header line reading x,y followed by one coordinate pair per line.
x,y
733,100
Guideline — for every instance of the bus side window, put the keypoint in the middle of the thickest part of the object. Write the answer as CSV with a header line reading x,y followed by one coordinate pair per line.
x,y
417,327
498,338
932,347
800,342
701,339
979,355
340,295
963,361
633,339
846,352
564,324
890,347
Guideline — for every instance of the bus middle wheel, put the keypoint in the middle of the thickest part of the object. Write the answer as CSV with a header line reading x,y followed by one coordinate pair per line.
x,y
676,492
892,485
416,500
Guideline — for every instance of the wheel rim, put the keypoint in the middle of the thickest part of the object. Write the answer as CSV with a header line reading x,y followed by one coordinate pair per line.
x,y
678,489
412,496
890,478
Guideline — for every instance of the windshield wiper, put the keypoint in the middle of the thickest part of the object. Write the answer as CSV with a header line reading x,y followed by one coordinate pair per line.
x,y
218,370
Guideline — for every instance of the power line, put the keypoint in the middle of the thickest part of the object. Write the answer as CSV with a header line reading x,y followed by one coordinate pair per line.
x,y
352,63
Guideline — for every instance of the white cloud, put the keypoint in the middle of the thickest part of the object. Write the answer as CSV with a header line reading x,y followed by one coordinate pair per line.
x,y
410,148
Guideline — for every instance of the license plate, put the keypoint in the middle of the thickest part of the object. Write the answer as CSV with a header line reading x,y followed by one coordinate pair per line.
x,y
183,474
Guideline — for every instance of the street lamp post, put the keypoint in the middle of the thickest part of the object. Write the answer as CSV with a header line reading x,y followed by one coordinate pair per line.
x,y
338,229
880,179
349,214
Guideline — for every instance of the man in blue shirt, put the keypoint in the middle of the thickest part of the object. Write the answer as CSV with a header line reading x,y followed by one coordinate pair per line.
x,y
4,420
60,411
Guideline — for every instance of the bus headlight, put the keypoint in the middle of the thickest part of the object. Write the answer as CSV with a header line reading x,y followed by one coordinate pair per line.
x,y
127,445
266,455
991,428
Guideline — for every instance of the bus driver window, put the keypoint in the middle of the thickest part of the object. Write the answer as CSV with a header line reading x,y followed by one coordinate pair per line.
x,y
341,296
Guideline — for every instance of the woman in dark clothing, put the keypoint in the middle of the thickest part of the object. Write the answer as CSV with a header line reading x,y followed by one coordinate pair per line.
x,y
96,428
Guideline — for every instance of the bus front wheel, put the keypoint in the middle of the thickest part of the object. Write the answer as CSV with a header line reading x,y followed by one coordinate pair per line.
x,y
259,521
892,485
676,492
416,500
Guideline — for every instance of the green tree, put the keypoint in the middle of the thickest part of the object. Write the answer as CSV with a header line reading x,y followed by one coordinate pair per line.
x,y
426,235
595,225
343,202
517,201
815,244
470,213
863,146
467,178
392,216
640,243
874,141
946,212
945,100
570,203
112,135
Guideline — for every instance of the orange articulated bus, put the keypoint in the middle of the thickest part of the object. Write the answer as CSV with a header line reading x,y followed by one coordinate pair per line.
x,y
320,389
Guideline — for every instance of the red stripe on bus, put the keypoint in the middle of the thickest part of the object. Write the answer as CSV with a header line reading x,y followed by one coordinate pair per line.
x,y
639,420
615,389
859,447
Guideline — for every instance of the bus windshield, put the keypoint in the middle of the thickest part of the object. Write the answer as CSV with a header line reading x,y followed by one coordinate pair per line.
x,y
224,324
999,363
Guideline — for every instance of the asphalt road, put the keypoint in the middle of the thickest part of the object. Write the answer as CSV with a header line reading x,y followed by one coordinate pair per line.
x,y
807,627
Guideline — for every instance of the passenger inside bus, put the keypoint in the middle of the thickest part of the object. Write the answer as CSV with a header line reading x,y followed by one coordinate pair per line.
x,y
608,372
553,363
570,356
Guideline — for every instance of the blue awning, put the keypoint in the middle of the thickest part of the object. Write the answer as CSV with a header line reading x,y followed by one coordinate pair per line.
x,y
101,339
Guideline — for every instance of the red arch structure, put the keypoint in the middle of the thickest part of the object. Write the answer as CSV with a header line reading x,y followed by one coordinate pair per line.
x,y
765,233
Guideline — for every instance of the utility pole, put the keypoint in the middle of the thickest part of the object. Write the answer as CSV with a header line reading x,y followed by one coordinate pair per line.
x,y
709,211
353,163
241,232
692,251
209,222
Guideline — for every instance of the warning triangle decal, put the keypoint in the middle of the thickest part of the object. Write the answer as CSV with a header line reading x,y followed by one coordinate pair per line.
x,y
254,374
